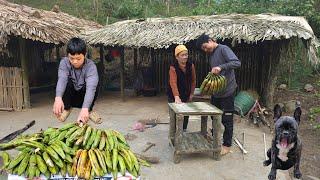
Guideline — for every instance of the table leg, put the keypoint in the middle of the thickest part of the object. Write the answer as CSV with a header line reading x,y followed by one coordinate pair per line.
x,y
216,125
204,120
172,129
178,138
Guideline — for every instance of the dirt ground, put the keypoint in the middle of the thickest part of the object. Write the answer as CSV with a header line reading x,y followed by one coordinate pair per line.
x,y
121,116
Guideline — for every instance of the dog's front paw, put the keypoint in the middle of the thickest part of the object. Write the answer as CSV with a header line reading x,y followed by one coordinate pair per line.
x,y
266,162
297,174
272,175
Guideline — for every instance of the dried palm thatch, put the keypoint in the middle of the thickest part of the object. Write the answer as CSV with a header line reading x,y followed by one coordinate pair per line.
x,y
39,25
163,32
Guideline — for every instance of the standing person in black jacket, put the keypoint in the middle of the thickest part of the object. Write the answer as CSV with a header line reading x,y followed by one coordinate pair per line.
x,y
222,61
182,79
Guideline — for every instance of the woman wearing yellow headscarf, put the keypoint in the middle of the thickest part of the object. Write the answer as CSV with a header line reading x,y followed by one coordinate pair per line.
x,y
182,79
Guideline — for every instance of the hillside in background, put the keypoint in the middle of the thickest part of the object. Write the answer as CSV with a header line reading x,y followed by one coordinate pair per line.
x,y
109,11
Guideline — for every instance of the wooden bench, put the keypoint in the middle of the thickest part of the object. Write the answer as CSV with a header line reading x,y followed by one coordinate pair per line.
x,y
195,142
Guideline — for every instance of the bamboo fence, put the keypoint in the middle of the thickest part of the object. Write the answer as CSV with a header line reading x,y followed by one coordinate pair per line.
x,y
11,88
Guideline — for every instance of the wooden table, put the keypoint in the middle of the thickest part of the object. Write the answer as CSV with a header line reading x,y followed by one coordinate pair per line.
x,y
195,142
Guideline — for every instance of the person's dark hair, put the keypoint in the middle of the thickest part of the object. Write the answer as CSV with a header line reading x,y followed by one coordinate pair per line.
x,y
201,40
76,46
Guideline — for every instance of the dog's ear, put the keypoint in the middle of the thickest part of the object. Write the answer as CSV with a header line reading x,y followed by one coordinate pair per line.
x,y
297,112
277,112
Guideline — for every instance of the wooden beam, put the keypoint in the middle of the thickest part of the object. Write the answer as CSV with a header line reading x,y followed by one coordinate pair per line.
x,y
272,71
122,83
25,72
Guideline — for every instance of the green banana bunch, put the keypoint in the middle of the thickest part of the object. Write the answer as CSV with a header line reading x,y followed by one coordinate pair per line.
x,y
213,84
83,151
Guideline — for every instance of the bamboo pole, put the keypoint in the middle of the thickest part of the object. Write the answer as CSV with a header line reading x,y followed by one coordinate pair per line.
x,y
25,72
244,151
13,90
101,64
5,94
9,82
265,147
243,142
122,73
20,89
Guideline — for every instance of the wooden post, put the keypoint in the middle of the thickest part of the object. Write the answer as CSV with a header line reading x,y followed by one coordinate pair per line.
x,y
101,64
122,73
25,72
153,69
272,77
58,54
135,58
135,68
58,59
290,69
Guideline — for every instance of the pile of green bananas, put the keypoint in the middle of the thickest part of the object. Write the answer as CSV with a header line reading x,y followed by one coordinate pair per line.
x,y
85,152
213,84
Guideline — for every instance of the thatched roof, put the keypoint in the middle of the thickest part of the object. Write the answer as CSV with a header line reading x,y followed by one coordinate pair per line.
x,y
163,32
40,25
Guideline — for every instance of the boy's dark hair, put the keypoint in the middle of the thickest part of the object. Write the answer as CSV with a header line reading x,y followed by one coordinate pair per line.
x,y
76,46
201,40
